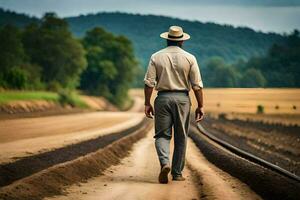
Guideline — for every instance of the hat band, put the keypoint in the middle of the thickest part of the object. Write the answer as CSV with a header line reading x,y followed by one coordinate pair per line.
x,y
172,36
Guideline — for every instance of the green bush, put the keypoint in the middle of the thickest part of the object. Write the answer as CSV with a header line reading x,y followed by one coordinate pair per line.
x,y
68,97
222,116
16,78
260,109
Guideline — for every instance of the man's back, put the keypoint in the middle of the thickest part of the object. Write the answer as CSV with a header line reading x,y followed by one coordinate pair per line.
x,y
172,68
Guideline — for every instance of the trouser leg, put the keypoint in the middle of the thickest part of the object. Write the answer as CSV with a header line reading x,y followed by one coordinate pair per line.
x,y
163,129
162,146
181,114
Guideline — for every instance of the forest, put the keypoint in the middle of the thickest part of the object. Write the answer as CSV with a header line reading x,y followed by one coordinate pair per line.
x,y
92,52
46,56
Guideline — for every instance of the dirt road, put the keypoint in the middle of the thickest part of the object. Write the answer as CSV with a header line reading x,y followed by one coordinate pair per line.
x,y
136,178
24,137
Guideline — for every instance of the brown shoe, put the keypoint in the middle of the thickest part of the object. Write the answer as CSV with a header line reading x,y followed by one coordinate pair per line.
x,y
163,175
178,178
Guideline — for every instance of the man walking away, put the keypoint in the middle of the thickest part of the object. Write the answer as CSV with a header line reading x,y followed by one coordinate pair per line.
x,y
173,72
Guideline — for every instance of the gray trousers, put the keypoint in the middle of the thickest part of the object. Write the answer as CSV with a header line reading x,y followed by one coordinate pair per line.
x,y
172,109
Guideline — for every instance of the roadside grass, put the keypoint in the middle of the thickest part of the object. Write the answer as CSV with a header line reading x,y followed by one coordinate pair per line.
x,y
9,96
72,99
67,97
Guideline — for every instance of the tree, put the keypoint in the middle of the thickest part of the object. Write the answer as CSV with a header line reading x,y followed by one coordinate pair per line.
x,y
15,70
252,78
111,65
280,66
219,74
52,46
11,47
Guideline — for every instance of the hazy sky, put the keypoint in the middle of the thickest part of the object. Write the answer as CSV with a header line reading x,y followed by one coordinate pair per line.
x,y
266,15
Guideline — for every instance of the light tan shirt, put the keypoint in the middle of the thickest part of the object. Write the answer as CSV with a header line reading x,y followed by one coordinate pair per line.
x,y
173,68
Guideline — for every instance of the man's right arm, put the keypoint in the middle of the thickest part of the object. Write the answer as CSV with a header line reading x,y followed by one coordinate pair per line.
x,y
197,85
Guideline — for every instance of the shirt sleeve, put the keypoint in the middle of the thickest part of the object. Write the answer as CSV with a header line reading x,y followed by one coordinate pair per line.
x,y
195,75
150,76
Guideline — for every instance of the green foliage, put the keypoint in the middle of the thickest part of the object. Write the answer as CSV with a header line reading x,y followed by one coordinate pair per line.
x,y
46,56
260,109
16,78
69,97
208,39
43,54
111,65
252,78
65,97
11,47
52,46
280,66
13,18
15,70
219,74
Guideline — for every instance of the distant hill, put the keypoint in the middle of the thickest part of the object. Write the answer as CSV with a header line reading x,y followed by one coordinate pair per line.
x,y
10,17
207,39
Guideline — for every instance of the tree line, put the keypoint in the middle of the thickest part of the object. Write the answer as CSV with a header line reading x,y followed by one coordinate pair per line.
x,y
45,55
280,67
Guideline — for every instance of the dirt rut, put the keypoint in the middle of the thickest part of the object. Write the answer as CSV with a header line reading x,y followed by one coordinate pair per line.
x,y
52,180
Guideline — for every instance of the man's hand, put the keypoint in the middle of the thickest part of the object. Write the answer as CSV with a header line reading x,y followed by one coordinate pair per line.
x,y
149,112
199,113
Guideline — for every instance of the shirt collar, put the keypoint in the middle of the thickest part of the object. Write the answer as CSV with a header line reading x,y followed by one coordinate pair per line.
x,y
173,48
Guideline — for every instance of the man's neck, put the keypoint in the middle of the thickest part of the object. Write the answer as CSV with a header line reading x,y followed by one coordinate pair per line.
x,y
174,46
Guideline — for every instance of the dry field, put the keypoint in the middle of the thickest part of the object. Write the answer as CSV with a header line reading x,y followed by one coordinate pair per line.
x,y
280,105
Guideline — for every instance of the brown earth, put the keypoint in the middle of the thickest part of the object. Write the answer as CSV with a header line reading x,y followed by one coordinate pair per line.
x,y
51,181
22,106
136,177
265,182
26,137
279,119
98,103
40,108
281,106
277,144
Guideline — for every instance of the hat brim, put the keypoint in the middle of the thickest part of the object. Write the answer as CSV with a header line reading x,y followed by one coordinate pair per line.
x,y
165,35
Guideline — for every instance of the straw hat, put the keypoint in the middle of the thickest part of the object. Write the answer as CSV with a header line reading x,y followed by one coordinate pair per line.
x,y
175,34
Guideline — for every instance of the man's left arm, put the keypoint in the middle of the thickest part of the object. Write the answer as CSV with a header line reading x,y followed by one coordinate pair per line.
x,y
197,85
149,112
150,82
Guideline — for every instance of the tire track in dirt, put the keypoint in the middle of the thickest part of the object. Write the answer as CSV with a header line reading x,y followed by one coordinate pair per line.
x,y
51,181
136,177
266,183
29,165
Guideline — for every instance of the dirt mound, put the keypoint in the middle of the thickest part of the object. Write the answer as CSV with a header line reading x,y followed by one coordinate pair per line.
x,y
37,108
12,171
27,106
98,103
53,180
266,183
